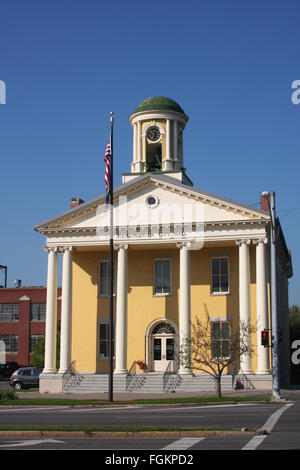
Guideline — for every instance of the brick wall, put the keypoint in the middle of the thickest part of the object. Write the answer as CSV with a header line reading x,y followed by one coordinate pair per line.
x,y
24,327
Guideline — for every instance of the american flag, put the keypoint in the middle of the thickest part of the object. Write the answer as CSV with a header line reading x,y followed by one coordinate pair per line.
x,y
107,170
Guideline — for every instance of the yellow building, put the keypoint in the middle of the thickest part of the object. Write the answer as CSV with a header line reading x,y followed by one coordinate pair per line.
x,y
179,253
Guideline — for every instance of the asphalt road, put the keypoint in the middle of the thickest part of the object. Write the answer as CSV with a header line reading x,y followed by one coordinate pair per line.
x,y
282,421
233,416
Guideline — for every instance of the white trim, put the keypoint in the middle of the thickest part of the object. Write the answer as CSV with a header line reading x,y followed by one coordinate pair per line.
x,y
148,338
162,258
217,256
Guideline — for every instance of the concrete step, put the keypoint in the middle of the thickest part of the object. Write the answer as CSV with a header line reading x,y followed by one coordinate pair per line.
x,y
145,382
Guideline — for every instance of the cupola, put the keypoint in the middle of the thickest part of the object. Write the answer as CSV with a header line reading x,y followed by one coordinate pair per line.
x,y
158,123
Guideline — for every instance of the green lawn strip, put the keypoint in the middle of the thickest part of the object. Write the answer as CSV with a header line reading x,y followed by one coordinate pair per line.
x,y
113,428
152,401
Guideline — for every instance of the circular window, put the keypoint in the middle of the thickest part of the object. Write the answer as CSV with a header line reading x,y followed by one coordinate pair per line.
x,y
152,201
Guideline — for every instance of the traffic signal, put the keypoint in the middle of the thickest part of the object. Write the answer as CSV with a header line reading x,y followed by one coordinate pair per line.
x,y
265,338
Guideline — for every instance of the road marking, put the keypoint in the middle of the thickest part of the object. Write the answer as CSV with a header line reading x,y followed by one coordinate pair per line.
x,y
268,426
272,420
31,442
183,443
151,410
254,442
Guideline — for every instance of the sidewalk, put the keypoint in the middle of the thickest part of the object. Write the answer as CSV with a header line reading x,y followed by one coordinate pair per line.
x,y
135,396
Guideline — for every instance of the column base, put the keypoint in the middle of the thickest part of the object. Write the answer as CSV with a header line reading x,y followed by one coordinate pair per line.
x,y
49,371
246,372
185,371
121,371
51,383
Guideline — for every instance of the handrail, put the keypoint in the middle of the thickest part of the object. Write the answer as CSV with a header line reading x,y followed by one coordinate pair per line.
x,y
166,372
130,374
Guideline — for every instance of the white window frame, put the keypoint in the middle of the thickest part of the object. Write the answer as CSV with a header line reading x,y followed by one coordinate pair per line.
x,y
106,323
161,258
106,260
220,322
213,257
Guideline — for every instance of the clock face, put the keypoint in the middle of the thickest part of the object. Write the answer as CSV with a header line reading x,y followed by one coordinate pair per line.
x,y
153,134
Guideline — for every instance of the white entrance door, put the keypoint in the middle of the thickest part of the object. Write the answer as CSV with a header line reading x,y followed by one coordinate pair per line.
x,y
163,353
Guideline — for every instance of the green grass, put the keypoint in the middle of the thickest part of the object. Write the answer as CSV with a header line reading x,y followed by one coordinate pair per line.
x,y
89,429
94,402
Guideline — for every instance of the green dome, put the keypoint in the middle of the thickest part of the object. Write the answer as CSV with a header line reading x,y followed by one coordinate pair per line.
x,y
158,103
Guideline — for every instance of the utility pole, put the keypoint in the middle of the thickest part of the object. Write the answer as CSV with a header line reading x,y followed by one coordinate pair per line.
x,y
274,314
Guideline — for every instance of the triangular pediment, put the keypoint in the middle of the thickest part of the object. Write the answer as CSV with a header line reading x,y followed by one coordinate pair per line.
x,y
155,199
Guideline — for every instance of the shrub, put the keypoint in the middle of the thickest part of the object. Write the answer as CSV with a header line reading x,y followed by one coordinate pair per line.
x,y
7,395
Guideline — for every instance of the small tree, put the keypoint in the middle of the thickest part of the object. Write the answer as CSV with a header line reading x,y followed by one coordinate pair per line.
x,y
294,322
206,353
38,355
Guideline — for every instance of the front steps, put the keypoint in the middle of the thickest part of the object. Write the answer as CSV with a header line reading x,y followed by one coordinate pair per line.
x,y
150,382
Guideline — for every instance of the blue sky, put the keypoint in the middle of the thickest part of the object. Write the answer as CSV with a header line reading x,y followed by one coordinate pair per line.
x,y
67,64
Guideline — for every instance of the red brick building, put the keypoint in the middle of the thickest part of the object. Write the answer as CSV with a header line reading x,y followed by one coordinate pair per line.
x,y
22,320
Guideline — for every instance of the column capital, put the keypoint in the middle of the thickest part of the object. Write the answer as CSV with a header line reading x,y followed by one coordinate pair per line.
x,y
243,241
119,246
257,241
48,249
63,249
185,244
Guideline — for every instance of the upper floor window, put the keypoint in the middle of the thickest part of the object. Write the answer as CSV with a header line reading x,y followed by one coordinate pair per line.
x,y
220,275
162,276
9,312
38,311
104,278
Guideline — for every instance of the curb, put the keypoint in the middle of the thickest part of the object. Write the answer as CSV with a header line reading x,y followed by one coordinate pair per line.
x,y
128,434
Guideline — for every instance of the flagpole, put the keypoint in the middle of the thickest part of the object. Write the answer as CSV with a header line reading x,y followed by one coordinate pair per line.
x,y
111,250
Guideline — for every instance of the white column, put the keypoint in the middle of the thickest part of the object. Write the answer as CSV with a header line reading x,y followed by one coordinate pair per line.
x,y
175,145
263,362
66,309
185,309
244,299
169,165
134,145
139,166
121,312
51,313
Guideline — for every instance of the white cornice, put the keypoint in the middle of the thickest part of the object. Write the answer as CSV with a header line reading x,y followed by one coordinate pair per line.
x,y
162,181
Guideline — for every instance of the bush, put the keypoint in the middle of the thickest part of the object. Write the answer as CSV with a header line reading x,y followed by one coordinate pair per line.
x,y
7,395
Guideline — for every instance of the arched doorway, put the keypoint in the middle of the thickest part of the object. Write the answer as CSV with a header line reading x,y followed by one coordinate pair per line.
x,y
162,346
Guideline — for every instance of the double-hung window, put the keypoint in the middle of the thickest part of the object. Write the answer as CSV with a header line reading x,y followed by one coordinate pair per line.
x,y
220,339
220,275
162,276
104,278
103,340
